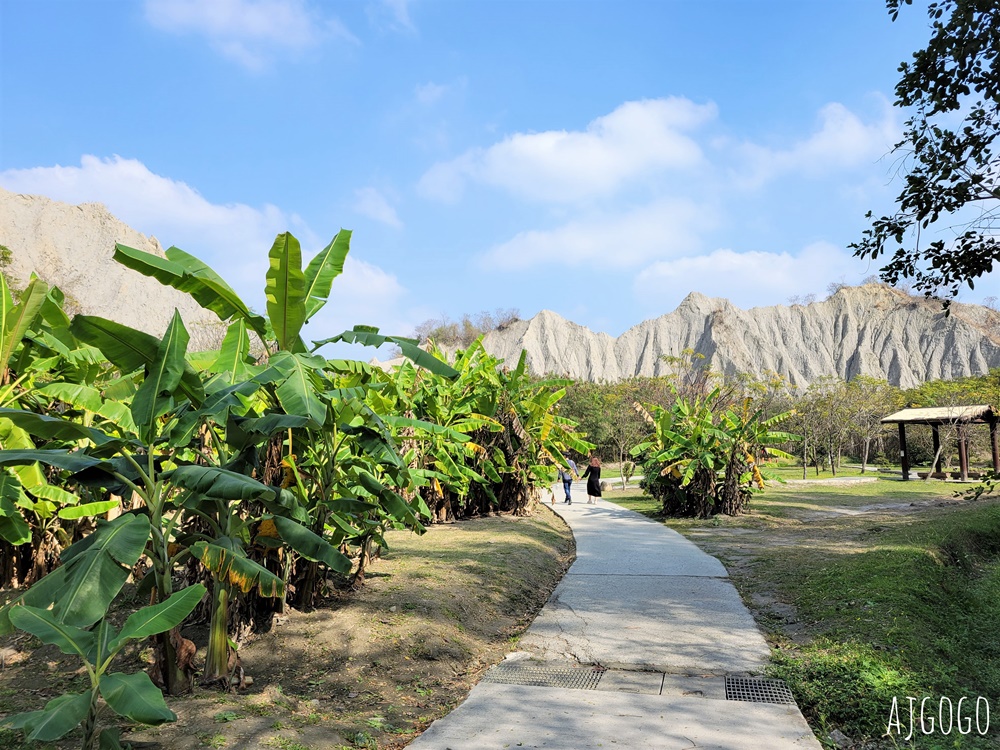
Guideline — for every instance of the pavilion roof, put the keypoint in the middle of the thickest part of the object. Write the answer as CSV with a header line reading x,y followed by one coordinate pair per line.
x,y
977,413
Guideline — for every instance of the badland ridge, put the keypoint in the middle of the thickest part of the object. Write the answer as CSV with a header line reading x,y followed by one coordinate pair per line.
x,y
869,330
71,247
872,330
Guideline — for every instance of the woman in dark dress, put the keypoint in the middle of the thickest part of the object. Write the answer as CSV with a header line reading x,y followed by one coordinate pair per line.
x,y
593,477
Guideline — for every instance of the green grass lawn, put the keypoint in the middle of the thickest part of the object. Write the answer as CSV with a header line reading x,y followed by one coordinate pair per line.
x,y
782,471
795,472
867,592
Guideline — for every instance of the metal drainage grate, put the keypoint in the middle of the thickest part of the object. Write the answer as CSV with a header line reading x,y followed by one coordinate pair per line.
x,y
517,674
758,691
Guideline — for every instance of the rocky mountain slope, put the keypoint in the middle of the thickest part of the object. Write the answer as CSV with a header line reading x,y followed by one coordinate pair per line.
x,y
72,246
868,330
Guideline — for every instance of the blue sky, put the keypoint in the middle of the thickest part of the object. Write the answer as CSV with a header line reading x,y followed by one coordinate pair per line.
x,y
599,159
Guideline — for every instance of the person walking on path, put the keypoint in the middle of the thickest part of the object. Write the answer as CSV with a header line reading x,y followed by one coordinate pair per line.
x,y
566,475
593,477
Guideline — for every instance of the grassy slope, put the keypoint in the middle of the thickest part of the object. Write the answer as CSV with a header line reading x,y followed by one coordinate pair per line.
x,y
898,600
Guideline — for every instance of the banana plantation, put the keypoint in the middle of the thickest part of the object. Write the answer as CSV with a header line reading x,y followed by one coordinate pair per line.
x,y
700,440
229,484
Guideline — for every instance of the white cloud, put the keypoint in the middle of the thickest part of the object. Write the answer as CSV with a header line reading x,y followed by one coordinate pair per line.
x,y
399,13
233,238
636,139
371,203
172,210
664,228
363,294
842,141
430,92
249,32
750,278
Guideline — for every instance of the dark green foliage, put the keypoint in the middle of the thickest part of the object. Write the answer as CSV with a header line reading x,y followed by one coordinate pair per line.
x,y
951,175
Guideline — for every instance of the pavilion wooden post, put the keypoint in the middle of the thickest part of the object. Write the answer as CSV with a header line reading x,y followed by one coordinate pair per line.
x,y
904,459
963,453
937,447
993,445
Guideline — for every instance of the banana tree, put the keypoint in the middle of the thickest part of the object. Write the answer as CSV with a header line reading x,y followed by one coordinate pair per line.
x,y
16,321
293,297
509,438
749,434
68,612
168,389
683,456
347,470
344,443
698,462
44,368
299,384
440,417
535,437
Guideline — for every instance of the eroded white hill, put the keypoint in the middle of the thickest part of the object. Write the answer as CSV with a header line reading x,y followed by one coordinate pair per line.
x,y
869,330
72,247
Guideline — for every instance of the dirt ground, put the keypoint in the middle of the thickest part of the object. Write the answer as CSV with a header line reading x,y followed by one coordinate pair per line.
x,y
372,668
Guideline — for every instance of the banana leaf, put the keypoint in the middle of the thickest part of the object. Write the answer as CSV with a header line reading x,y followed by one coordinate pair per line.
x,y
369,336
75,462
155,395
234,354
59,717
286,503
130,350
225,559
299,388
88,510
15,320
186,273
12,525
77,395
93,572
56,494
285,289
42,624
135,697
429,428
323,269
219,484
53,428
159,618
311,546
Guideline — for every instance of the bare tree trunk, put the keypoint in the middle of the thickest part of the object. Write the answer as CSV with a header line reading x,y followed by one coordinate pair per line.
x,y
864,454
805,455
173,668
364,558
934,463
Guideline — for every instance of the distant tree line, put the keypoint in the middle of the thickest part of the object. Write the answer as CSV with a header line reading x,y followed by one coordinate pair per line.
x,y
462,333
836,421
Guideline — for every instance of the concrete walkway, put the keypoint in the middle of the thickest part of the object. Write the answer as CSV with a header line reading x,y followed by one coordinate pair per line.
x,y
657,623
